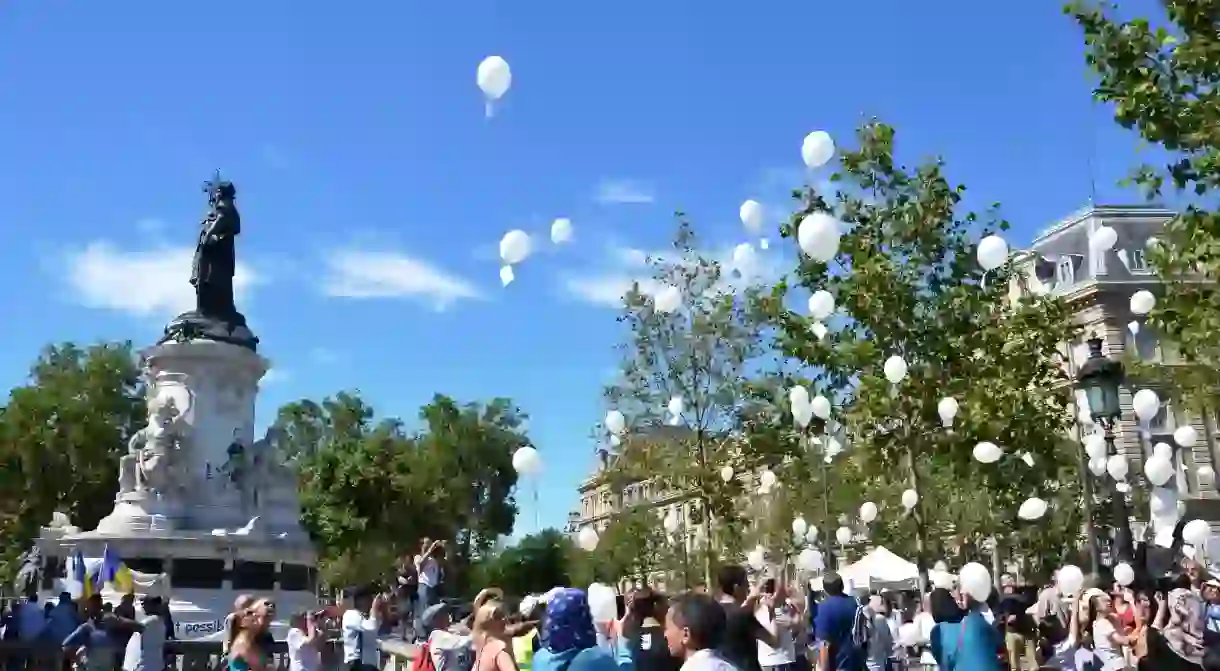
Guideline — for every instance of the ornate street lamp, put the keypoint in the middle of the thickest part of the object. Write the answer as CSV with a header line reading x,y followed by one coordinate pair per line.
x,y
1100,377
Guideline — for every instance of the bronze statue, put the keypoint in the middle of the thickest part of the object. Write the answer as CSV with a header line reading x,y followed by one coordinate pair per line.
x,y
215,316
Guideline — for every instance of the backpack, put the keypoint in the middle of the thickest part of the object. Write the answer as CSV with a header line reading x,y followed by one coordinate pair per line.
x,y
422,661
861,629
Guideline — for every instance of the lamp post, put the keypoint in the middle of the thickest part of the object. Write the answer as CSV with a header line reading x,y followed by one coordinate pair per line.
x,y
1100,378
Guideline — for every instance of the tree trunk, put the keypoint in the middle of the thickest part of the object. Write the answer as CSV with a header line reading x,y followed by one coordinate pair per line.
x,y
917,516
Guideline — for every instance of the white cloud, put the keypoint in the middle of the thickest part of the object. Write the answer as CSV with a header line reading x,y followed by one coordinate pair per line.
x,y
276,376
623,192
147,283
369,274
627,266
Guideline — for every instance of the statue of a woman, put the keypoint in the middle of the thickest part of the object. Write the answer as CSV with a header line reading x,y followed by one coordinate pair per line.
x,y
215,254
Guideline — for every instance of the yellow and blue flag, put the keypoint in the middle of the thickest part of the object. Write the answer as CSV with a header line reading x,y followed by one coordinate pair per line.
x,y
80,573
114,571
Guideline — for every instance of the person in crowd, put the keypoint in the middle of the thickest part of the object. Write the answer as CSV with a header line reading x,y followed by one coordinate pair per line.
x,y
31,619
925,623
881,652
451,646
970,644
240,605
303,639
1144,617
127,606
358,630
643,629
696,628
742,630
63,619
491,641
247,647
1020,630
406,591
93,644
833,627
1104,628
780,620
1060,647
571,639
1179,640
1122,600
428,578
145,648
1211,624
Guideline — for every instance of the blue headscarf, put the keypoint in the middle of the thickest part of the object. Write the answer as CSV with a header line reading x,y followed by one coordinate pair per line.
x,y
569,622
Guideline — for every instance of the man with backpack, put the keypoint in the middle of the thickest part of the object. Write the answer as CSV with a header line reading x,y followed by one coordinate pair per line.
x,y
836,628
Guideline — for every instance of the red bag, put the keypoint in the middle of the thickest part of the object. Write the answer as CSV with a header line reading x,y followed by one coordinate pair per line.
x,y
423,659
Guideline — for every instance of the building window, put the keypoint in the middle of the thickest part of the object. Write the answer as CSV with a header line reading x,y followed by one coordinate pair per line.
x,y
197,573
297,577
1137,263
1065,273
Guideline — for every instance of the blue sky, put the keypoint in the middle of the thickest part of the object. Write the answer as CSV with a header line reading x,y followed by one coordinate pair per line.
x,y
374,192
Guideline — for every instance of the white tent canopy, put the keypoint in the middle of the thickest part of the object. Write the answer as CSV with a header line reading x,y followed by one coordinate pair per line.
x,y
881,569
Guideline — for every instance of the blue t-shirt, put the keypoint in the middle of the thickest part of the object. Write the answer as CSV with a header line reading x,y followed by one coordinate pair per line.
x,y
970,645
832,625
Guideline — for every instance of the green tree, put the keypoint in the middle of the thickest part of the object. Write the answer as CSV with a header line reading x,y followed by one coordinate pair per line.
x,y
62,433
633,545
906,283
1162,82
702,353
533,565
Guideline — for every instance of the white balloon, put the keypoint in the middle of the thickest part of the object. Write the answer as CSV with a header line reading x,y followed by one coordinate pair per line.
x,y
1133,327
843,535
1069,579
494,77
561,231
812,534
895,369
767,479
1189,551
820,406
1032,509
992,252
1124,574
1163,502
526,461
1118,467
1146,404
587,539
947,409
908,634
799,526
1185,436
616,423
1097,466
1162,451
515,247
1103,239
810,560
821,304
615,440
987,453
764,244
818,329
1142,302
757,558
676,405
1027,458
667,300
910,499
752,215
1197,533
726,473
745,259
798,395
941,579
603,605
1205,475
1158,471
868,512
818,235
670,523
1095,446
976,581
506,275
817,149
803,414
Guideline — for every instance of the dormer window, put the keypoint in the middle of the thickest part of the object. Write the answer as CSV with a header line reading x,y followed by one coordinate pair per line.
x,y
1065,272
1137,262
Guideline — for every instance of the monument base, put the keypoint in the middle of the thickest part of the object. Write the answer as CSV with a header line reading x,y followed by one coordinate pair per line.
x,y
195,325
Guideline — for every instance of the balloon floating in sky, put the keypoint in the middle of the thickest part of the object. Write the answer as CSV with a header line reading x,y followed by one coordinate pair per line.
x,y
561,231
668,300
1032,509
1103,239
987,453
752,216
910,498
494,77
616,423
818,235
821,304
587,539
817,149
895,369
526,461
1142,302
515,246
506,275
992,252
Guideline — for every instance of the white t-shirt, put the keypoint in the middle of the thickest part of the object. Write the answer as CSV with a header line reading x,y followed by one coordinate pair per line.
x,y
1103,648
302,657
427,569
359,635
1064,655
780,626
146,649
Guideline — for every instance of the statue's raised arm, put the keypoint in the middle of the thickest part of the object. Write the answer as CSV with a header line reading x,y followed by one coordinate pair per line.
x,y
215,316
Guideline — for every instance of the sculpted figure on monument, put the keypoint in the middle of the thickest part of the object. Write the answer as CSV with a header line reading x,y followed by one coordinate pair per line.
x,y
215,316
274,477
154,452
